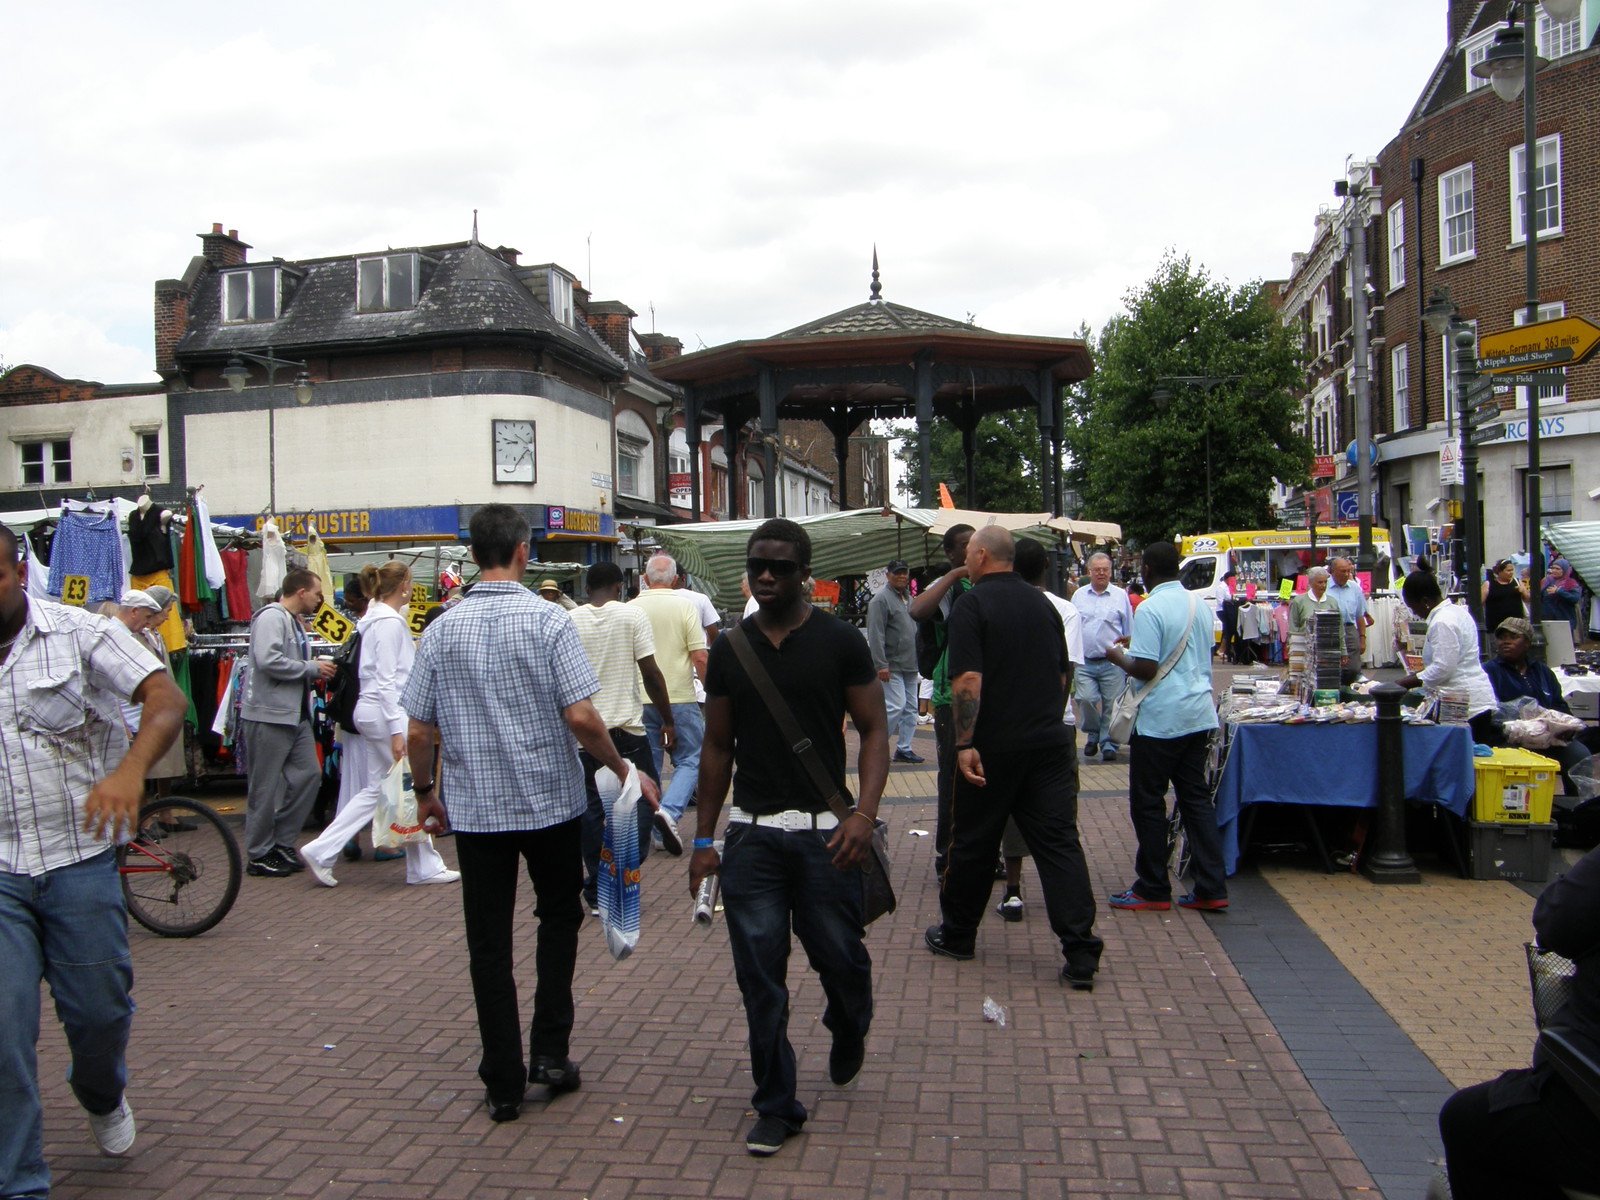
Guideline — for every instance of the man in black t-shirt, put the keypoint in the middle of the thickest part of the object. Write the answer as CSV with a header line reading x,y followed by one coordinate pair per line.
x,y
788,861
1014,758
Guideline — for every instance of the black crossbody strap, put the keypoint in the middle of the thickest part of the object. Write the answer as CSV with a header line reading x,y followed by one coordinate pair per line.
x,y
802,746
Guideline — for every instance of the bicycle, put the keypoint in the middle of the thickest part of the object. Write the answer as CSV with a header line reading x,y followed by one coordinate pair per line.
x,y
182,869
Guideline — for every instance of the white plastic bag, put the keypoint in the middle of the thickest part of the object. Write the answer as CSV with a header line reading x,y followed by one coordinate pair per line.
x,y
394,821
618,885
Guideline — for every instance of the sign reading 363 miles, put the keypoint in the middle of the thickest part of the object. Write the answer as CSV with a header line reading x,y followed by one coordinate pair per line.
x,y
1565,340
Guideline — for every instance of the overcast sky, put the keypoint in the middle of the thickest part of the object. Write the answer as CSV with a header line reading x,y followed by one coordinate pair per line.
x,y
731,163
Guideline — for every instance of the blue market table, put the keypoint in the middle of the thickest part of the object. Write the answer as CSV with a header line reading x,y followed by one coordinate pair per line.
x,y
1336,765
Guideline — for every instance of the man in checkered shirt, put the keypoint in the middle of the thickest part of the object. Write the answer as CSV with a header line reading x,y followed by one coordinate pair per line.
x,y
70,789
503,680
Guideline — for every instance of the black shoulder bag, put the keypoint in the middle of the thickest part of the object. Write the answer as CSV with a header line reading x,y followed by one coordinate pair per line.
x,y
345,688
877,893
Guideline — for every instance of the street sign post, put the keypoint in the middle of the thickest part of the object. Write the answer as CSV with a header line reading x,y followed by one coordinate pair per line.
x,y
1565,340
1487,433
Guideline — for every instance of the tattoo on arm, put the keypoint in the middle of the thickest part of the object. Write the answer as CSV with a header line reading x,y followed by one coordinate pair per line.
x,y
965,713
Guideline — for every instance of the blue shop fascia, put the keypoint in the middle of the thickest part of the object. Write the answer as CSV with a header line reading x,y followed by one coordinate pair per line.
x,y
560,533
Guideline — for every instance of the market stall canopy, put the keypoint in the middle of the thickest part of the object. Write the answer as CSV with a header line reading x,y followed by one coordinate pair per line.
x,y
1579,543
856,542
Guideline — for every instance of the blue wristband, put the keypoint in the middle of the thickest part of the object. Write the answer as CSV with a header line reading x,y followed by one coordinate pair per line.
x,y
704,843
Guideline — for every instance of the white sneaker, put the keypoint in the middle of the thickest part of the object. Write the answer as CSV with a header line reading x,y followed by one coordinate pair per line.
x,y
322,874
114,1132
444,876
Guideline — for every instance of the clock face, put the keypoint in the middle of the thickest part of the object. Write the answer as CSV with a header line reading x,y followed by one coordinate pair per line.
x,y
513,452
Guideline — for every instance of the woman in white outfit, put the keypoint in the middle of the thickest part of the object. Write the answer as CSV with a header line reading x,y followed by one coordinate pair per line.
x,y
386,655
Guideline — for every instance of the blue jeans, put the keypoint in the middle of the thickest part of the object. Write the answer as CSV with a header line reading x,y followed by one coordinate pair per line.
x,y
1098,684
67,926
691,728
900,700
772,880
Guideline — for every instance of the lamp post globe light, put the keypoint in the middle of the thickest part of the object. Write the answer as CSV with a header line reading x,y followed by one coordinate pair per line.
x,y
238,375
1511,66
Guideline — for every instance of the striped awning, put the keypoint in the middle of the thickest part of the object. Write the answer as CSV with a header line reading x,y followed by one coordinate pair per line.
x,y
854,543
1579,543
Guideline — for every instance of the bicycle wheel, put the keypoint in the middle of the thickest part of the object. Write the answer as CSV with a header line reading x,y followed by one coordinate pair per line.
x,y
181,872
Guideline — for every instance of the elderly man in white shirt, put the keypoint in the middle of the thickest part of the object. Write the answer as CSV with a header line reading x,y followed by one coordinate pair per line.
x,y
1107,616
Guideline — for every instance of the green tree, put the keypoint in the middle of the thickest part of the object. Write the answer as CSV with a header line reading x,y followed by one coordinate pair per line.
x,y
1005,462
1142,463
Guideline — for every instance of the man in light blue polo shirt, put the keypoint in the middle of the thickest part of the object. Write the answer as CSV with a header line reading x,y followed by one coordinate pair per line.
x,y
1107,617
1171,737
1352,601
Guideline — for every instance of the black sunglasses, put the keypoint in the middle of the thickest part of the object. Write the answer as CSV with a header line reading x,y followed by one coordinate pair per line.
x,y
778,568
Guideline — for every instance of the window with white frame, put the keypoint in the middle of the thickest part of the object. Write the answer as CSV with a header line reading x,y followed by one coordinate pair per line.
x,y
634,456
1324,431
1548,394
1555,494
1321,322
1558,38
561,296
1400,386
46,462
250,295
1546,189
1473,53
1449,352
386,283
755,491
1457,228
1397,244
149,455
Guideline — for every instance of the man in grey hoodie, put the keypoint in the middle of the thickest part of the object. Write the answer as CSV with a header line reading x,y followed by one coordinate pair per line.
x,y
275,722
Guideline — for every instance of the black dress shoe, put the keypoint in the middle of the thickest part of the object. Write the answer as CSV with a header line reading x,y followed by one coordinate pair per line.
x,y
936,941
557,1074
501,1111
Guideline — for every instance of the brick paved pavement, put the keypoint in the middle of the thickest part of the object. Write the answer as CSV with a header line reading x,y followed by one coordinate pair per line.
x,y
321,1044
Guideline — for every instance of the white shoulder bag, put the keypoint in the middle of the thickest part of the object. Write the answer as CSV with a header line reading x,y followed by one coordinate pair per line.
x,y
1120,727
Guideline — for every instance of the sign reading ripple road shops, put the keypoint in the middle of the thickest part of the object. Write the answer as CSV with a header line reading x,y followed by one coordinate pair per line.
x,y
1567,340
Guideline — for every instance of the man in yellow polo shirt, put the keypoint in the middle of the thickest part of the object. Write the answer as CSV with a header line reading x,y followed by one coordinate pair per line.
x,y
681,655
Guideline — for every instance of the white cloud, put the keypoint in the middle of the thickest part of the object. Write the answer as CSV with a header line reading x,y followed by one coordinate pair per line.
x,y
1024,160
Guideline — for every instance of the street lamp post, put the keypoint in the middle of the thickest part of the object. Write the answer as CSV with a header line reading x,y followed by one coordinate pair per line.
x,y
1443,317
1162,397
1511,66
237,375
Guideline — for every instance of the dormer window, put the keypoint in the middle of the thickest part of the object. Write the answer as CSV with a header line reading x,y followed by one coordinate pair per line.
x,y
250,295
561,296
386,283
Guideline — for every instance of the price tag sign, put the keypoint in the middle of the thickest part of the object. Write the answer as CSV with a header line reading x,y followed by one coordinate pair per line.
x,y
75,590
333,624
419,595
415,618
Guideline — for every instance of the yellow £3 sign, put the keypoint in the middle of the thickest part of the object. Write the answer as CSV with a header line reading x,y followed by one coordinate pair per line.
x,y
333,624
75,590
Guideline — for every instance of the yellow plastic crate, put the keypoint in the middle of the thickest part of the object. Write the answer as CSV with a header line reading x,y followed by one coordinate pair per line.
x,y
1515,787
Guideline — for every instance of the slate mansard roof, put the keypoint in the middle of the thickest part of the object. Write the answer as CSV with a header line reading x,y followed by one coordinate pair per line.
x,y
875,316
465,291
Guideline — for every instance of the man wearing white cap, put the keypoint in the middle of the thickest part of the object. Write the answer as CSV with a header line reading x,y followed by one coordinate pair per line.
x,y
143,612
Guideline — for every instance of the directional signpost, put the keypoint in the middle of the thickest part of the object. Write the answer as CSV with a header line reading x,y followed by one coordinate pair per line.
x,y
1481,412
1567,341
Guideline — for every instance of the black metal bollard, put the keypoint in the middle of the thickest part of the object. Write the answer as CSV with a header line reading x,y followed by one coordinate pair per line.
x,y
1386,859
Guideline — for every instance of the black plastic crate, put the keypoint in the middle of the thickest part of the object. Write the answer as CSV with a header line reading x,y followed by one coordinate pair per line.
x,y
1516,852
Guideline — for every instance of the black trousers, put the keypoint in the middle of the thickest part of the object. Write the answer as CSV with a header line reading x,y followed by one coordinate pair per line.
x,y
1529,1151
1040,792
634,747
944,740
489,868
1153,763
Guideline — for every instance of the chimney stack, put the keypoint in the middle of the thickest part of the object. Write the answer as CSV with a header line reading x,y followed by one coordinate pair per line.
x,y
222,249
612,320
658,347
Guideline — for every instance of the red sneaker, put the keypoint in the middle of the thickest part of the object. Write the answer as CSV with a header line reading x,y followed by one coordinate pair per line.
x,y
1131,900
1193,901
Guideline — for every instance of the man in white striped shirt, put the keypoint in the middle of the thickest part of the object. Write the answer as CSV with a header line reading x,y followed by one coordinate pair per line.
x,y
70,788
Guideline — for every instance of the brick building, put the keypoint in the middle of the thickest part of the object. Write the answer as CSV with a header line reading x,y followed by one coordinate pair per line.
x,y
1446,212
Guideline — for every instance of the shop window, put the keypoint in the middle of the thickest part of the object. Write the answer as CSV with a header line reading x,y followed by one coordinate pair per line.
x,y
1555,494
250,295
150,455
386,283
1457,224
1546,190
46,462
